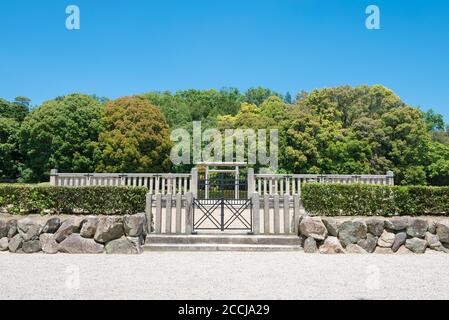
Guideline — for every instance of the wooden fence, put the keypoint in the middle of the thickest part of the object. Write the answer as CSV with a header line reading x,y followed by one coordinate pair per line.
x,y
290,184
167,183
173,214
170,183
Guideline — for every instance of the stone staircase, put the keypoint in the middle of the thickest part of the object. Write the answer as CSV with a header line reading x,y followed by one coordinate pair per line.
x,y
221,242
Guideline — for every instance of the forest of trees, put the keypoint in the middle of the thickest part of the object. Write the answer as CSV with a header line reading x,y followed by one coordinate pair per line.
x,y
351,130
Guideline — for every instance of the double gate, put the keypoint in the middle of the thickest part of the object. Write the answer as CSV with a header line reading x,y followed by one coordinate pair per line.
x,y
222,204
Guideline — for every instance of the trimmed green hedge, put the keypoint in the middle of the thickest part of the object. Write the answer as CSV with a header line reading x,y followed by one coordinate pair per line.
x,y
24,199
372,200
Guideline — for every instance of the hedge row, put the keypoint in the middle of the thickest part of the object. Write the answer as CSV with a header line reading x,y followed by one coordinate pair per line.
x,y
372,200
24,199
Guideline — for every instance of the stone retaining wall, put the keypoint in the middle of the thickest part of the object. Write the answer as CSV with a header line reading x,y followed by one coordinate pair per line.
x,y
74,234
374,235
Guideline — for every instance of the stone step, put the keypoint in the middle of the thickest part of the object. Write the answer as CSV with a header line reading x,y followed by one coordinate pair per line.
x,y
218,247
214,239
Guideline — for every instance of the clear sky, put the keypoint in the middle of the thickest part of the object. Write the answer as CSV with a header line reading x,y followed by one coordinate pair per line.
x,y
134,46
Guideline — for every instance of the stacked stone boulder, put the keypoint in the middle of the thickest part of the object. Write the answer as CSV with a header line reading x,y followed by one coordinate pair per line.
x,y
75,234
329,235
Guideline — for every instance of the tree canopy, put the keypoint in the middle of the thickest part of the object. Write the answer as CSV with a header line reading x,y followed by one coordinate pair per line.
x,y
344,130
134,138
59,134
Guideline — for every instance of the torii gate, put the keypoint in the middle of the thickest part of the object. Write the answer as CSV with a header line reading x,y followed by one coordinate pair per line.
x,y
235,170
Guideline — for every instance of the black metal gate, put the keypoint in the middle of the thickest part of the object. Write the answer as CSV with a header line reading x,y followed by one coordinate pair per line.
x,y
222,204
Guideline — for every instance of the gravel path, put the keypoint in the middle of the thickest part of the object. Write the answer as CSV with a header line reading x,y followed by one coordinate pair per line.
x,y
224,275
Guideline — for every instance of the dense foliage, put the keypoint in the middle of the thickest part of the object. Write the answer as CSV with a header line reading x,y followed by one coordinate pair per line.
x,y
350,130
372,200
25,199
135,137
60,134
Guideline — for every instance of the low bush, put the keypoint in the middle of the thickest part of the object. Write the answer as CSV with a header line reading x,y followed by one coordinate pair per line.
x,y
374,200
25,199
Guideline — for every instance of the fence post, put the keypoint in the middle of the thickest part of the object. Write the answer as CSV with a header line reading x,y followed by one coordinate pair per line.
x,y
256,213
296,213
168,213
266,213
158,224
251,182
178,212
390,178
286,214
53,177
149,212
276,214
194,182
189,213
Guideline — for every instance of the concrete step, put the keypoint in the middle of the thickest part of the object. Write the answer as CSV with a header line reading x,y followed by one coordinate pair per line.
x,y
227,239
218,247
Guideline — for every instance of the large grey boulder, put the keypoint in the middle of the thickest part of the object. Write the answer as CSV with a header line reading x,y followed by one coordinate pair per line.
x,y
48,243
399,240
4,244
369,244
352,232
403,250
15,243
135,224
31,246
89,227
68,227
313,227
417,228
432,226
375,226
386,240
397,223
354,248
416,245
29,229
331,225
75,244
310,245
381,250
434,242
442,231
3,229
331,246
52,225
122,246
12,228
109,228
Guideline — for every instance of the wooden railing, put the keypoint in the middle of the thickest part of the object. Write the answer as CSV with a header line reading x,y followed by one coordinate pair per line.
x,y
290,184
156,183
173,213
273,214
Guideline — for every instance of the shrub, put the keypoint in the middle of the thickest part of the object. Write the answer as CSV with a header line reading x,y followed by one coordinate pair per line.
x,y
374,200
24,199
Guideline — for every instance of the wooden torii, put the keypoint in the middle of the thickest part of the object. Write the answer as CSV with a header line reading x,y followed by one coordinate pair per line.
x,y
235,169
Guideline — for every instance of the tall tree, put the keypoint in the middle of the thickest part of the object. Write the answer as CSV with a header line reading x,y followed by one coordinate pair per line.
x,y
135,137
59,134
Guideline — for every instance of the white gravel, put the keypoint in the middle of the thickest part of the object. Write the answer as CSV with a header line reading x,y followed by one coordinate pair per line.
x,y
224,275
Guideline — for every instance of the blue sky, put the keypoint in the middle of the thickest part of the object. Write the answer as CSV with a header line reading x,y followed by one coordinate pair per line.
x,y
134,46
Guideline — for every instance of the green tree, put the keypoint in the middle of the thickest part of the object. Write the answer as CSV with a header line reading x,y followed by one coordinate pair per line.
x,y
258,95
175,109
10,158
59,134
438,169
135,137
288,98
434,121
185,106
14,110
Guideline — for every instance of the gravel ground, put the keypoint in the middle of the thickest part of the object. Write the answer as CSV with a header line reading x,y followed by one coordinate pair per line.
x,y
224,275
